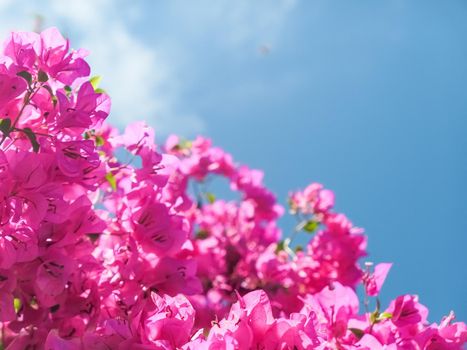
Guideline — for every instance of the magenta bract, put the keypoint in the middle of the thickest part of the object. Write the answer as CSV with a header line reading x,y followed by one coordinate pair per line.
x,y
100,252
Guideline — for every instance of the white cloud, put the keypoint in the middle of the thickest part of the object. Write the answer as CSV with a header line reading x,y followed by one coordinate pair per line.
x,y
238,23
134,74
142,79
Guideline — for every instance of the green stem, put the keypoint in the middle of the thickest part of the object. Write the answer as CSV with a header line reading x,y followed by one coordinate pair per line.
x,y
27,99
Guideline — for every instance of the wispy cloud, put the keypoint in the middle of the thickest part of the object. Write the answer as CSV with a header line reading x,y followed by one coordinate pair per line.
x,y
238,23
142,78
134,74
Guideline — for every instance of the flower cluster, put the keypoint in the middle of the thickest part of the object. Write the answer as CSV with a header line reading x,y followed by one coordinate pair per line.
x,y
108,241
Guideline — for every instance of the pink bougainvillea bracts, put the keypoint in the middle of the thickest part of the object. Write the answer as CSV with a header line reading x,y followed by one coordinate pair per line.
x,y
110,241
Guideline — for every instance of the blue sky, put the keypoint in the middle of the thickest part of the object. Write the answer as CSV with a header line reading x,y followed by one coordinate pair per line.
x,y
367,97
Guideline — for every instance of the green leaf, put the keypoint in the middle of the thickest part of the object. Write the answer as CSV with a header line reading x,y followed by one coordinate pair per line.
x,y
17,304
311,226
111,180
299,248
32,137
49,89
25,75
374,317
95,81
99,140
93,236
357,332
211,197
67,88
184,144
202,234
384,316
280,246
5,126
42,76
99,91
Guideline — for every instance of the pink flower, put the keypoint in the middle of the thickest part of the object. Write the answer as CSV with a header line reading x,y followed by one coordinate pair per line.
x,y
10,88
158,231
77,158
313,200
174,276
453,332
333,306
27,189
257,308
17,244
137,136
406,310
55,342
88,109
99,252
168,318
57,62
52,277
21,48
293,333
214,342
369,342
7,286
374,282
